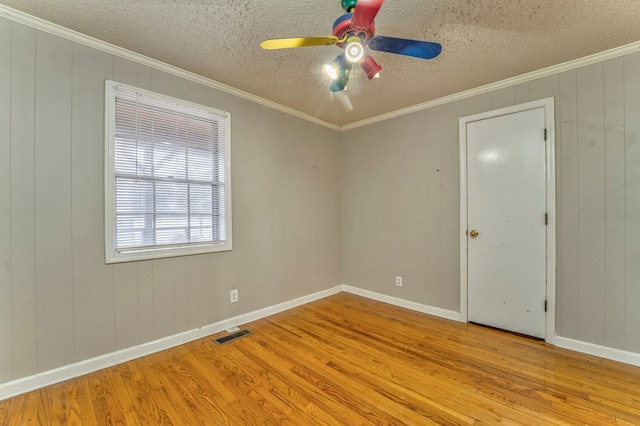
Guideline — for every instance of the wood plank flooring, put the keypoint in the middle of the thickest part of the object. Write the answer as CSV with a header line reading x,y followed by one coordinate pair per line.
x,y
346,360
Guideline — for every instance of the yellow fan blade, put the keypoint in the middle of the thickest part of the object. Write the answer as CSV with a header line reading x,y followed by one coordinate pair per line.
x,y
287,43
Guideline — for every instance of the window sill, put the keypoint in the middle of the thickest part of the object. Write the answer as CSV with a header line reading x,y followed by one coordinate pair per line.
x,y
133,256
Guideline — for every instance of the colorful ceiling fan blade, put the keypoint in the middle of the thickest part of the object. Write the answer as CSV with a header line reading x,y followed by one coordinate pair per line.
x,y
338,86
406,47
287,43
364,13
344,71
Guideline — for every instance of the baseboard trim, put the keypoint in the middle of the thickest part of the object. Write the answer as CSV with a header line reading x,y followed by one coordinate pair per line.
x,y
396,301
47,378
612,354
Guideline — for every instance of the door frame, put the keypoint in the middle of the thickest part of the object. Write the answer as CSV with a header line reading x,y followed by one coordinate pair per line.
x,y
550,186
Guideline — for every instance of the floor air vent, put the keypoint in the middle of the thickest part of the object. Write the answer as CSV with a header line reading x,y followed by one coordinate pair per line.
x,y
231,337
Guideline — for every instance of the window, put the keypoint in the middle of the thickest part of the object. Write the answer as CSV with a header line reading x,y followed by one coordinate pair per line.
x,y
167,186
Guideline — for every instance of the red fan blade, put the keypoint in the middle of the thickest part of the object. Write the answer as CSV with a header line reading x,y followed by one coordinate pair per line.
x,y
364,13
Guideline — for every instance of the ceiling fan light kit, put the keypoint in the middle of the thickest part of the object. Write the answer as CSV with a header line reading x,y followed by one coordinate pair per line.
x,y
354,32
354,52
340,83
370,67
332,69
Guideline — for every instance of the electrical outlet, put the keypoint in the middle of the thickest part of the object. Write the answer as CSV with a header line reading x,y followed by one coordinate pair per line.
x,y
233,297
398,281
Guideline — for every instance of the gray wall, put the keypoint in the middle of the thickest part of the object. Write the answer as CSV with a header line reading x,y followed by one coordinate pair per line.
x,y
59,302
312,208
400,190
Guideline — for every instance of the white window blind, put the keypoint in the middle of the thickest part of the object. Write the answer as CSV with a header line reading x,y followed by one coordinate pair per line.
x,y
169,175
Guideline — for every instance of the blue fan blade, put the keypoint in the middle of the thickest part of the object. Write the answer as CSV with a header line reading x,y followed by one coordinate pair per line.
x,y
406,47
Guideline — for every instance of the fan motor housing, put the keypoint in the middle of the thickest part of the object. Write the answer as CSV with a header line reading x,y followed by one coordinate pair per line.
x,y
343,26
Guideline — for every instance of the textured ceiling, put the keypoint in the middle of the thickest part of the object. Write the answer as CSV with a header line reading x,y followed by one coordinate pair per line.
x,y
483,41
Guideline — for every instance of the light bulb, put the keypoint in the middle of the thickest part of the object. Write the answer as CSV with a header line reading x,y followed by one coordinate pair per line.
x,y
330,71
354,52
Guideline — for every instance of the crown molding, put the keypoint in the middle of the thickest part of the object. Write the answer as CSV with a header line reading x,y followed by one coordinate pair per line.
x,y
545,72
66,33
55,29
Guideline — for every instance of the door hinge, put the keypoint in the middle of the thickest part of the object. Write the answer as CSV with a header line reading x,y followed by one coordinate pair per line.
x,y
546,218
545,306
545,135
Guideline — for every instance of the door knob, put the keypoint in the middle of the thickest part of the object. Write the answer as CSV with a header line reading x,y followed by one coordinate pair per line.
x,y
473,233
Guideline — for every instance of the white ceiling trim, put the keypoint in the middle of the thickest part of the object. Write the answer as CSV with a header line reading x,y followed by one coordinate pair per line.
x,y
66,33
49,27
545,72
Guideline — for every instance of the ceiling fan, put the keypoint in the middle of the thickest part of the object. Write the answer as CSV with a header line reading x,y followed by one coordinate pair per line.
x,y
354,31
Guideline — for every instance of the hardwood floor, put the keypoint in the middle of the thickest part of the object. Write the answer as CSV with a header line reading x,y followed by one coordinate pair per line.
x,y
346,360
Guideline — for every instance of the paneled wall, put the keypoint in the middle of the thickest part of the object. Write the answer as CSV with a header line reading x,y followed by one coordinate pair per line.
x,y
59,302
400,190
312,208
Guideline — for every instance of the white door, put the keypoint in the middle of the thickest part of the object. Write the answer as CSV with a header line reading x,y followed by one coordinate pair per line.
x,y
506,203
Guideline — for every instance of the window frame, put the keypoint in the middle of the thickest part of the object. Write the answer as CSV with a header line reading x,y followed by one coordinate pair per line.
x,y
112,254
